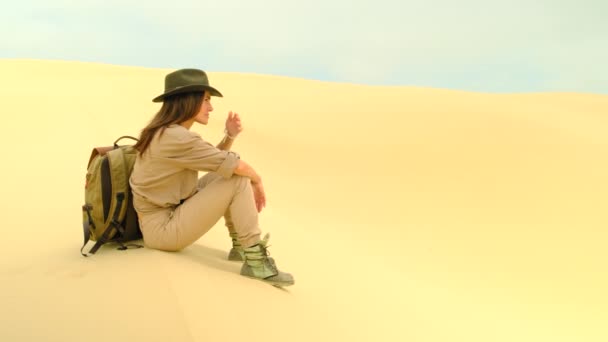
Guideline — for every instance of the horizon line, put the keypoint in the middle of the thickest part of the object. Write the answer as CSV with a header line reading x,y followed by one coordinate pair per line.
x,y
2,59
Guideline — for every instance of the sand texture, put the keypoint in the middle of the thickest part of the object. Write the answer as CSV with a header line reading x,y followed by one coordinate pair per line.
x,y
404,213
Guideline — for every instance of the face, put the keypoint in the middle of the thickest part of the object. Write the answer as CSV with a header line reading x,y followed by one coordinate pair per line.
x,y
203,115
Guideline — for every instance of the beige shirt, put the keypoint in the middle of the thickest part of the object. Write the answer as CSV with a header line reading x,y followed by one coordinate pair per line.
x,y
167,172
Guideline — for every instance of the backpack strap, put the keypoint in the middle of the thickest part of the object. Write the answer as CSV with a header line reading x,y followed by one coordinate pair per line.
x,y
85,227
120,188
118,166
124,136
114,224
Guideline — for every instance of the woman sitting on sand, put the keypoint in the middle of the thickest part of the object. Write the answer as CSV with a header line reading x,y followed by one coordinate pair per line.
x,y
175,207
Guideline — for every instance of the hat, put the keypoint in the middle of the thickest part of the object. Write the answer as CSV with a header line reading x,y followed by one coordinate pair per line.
x,y
184,81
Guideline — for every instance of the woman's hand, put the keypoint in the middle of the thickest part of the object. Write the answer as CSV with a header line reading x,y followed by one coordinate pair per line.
x,y
259,195
233,124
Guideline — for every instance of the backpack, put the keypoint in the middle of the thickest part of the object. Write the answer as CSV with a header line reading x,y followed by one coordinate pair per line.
x,y
108,213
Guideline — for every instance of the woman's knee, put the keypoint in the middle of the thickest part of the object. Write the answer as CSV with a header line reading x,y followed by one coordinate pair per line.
x,y
232,185
241,182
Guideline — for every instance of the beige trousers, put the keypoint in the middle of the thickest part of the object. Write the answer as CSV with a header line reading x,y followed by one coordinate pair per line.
x,y
173,229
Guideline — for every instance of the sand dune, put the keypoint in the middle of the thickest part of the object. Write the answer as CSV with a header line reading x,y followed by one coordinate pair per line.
x,y
405,214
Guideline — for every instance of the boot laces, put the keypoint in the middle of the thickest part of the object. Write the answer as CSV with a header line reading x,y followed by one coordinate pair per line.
x,y
265,250
265,245
270,263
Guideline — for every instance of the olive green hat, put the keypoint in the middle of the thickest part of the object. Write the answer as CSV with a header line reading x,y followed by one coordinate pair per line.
x,y
185,81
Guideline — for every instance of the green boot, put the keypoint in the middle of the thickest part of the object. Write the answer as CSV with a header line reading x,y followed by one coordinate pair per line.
x,y
259,266
236,252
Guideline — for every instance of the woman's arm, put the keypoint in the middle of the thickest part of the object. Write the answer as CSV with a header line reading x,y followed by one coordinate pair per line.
x,y
244,169
233,128
225,144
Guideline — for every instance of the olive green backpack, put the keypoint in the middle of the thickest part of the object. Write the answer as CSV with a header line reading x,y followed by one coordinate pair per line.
x,y
108,213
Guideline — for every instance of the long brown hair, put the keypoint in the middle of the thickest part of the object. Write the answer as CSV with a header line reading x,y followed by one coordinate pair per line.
x,y
175,110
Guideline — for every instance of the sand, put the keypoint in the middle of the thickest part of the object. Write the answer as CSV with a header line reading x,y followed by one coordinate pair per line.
x,y
404,213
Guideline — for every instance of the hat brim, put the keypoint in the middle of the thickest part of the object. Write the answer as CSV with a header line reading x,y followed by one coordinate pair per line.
x,y
188,89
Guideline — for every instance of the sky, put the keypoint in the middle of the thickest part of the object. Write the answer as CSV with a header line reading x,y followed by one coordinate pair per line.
x,y
485,46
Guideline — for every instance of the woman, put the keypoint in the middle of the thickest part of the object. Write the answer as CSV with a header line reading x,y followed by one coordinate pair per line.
x,y
174,207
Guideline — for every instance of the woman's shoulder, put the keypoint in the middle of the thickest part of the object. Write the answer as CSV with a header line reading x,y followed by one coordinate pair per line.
x,y
180,133
174,140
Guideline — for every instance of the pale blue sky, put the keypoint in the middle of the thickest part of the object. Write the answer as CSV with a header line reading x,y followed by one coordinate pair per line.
x,y
477,45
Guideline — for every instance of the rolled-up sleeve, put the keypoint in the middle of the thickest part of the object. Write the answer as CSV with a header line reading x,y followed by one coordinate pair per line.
x,y
229,164
190,151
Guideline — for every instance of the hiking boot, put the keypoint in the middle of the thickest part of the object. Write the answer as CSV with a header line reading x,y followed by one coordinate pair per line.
x,y
236,252
259,266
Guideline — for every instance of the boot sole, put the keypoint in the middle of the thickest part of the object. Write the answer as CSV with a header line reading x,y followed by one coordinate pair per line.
x,y
273,283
